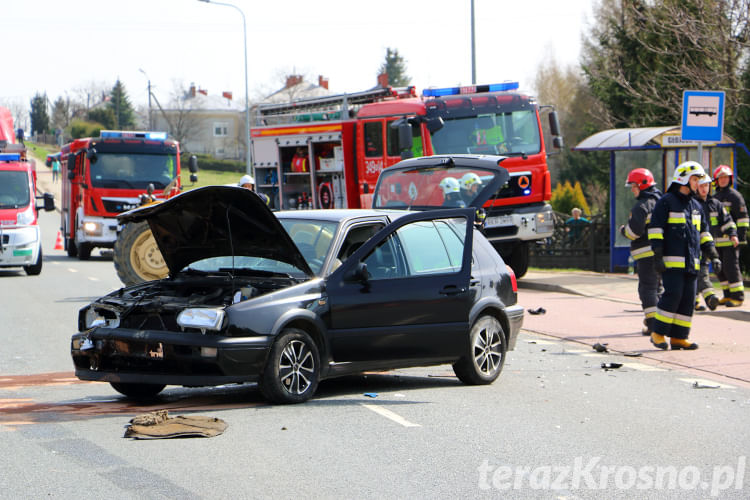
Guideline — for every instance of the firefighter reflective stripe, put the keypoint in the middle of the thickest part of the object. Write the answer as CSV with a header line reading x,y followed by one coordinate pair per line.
x,y
674,262
676,218
697,264
743,222
673,318
706,237
708,292
664,316
714,217
642,253
736,287
655,233
725,285
629,234
723,241
729,225
682,320
650,312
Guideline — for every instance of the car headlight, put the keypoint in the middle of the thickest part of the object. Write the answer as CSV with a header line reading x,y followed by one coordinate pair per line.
x,y
95,318
25,218
92,228
203,318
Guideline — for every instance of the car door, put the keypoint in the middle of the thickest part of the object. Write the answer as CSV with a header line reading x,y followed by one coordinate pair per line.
x,y
414,300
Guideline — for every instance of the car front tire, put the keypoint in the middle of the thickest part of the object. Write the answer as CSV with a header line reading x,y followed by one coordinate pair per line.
x,y
293,368
137,391
35,269
484,360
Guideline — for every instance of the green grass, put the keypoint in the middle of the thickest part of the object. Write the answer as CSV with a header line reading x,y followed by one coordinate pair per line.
x,y
40,150
208,178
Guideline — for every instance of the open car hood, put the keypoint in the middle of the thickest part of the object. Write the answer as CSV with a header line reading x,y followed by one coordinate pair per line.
x,y
422,183
216,221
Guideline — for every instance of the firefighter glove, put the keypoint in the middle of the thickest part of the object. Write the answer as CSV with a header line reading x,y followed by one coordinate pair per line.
x,y
659,261
716,263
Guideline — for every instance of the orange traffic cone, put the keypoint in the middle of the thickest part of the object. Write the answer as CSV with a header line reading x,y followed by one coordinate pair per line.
x,y
59,242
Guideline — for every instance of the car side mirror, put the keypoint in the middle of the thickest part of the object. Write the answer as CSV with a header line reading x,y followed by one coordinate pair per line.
x,y
557,142
359,273
48,204
91,155
554,123
71,175
193,166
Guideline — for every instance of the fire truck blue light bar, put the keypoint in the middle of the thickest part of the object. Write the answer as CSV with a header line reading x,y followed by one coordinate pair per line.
x,y
118,134
10,157
470,89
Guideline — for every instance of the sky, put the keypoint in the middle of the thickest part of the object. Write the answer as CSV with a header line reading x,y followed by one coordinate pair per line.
x,y
62,46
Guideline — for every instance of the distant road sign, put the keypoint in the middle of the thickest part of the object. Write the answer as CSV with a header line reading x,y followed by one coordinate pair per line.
x,y
702,116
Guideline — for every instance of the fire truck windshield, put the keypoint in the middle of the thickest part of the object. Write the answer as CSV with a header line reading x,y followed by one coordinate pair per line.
x,y
132,170
14,189
508,133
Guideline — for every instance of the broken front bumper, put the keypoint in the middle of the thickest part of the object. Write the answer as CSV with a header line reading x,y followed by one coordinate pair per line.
x,y
171,358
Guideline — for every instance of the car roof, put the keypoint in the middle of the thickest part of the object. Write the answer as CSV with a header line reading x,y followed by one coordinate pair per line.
x,y
339,215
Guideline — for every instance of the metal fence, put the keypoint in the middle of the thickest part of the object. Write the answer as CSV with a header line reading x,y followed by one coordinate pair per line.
x,y
585,246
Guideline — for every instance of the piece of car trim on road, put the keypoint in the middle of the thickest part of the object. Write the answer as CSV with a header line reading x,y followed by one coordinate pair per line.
x,y
390,415
706,382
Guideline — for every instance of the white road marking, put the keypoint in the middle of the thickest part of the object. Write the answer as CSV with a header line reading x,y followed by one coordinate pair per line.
x,y
390,415
706,382
93,279
72,270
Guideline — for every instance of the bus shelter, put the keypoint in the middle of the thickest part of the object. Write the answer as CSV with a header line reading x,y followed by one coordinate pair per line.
x,y
659,149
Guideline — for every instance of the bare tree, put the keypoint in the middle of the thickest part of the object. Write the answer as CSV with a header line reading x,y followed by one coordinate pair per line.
x,y
18,109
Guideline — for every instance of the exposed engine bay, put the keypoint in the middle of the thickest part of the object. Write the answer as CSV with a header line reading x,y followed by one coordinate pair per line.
x,y
155,305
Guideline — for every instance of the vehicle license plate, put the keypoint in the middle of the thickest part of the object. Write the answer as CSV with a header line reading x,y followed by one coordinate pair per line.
x,y
499,220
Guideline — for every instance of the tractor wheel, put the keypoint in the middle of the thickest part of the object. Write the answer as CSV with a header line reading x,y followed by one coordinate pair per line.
x,y
137,257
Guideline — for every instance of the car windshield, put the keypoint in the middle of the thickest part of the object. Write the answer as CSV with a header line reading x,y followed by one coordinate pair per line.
x,y
312,237
425,188
14,189
507,133
132,170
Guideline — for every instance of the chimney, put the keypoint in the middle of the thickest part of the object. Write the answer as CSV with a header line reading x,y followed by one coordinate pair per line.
x,y
192,89
293,80
203,91
227,95
323,82
383,80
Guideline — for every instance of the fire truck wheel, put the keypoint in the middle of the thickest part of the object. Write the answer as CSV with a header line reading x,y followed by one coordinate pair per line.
x,y
519,259
84,251
35,269
71,247
137,257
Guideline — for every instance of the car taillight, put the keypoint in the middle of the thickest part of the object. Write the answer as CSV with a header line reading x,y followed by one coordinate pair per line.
x,y
513,281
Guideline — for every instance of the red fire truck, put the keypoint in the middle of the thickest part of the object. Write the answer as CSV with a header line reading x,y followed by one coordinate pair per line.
x,y
347,140
20,237
104,176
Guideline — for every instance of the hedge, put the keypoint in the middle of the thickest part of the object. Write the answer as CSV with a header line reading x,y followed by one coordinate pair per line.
x,y
208,162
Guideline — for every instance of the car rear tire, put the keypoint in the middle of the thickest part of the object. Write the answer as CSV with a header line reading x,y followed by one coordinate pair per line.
x,y
292,370
35,269
484,360
137,391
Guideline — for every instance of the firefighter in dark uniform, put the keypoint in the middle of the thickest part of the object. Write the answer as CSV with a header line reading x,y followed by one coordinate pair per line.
x,y
724,233
641,183
731,277
678,232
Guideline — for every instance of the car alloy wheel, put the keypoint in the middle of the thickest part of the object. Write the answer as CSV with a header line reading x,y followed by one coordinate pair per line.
x,y
487,347
293,368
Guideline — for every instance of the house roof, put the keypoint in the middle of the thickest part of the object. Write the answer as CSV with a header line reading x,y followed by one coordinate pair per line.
x,y
301,90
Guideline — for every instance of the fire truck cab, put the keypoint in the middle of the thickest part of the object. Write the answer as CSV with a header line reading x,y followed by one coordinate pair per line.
x,y
105,176
20,237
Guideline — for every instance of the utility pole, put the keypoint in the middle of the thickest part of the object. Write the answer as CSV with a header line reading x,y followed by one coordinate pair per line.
x,y
473,49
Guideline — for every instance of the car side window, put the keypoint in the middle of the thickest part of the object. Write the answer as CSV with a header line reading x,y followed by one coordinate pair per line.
x,y
433,247
386,261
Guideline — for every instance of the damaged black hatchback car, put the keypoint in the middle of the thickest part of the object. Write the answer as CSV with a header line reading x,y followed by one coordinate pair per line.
x,y
291,298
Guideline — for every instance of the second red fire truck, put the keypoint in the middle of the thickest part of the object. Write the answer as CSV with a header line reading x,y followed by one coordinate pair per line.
x,y
328,152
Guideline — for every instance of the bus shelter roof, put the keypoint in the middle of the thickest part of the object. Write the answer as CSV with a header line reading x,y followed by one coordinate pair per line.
x,y
623,138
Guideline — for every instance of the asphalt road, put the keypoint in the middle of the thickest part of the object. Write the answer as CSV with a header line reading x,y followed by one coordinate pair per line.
x,y
555,425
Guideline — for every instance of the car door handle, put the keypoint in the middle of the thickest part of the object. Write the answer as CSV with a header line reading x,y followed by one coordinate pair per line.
x,y
452,290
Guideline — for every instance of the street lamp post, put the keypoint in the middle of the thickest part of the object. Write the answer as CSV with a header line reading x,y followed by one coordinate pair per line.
x,y
150,122
248,167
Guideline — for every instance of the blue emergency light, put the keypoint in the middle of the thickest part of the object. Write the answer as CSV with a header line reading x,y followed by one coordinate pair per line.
x,y
470,89
10,157
132,134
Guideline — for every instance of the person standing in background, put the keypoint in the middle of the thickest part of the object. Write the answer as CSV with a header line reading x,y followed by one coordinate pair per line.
x,y
731,276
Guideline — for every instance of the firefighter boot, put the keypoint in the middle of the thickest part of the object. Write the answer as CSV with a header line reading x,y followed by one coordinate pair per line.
x,y
646,330
712,301
698,305
659,341
678,344
733,303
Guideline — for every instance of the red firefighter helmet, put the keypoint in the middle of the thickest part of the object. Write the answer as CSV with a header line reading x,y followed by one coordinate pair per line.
x,y
641,177
722,170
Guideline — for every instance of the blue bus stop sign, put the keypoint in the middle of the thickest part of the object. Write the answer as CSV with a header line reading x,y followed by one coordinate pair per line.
x,y
702,115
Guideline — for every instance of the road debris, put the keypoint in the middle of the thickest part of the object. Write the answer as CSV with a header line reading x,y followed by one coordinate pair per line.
x,y
538,310
600,347
159,425
371,394
611,366
697,385
633,354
